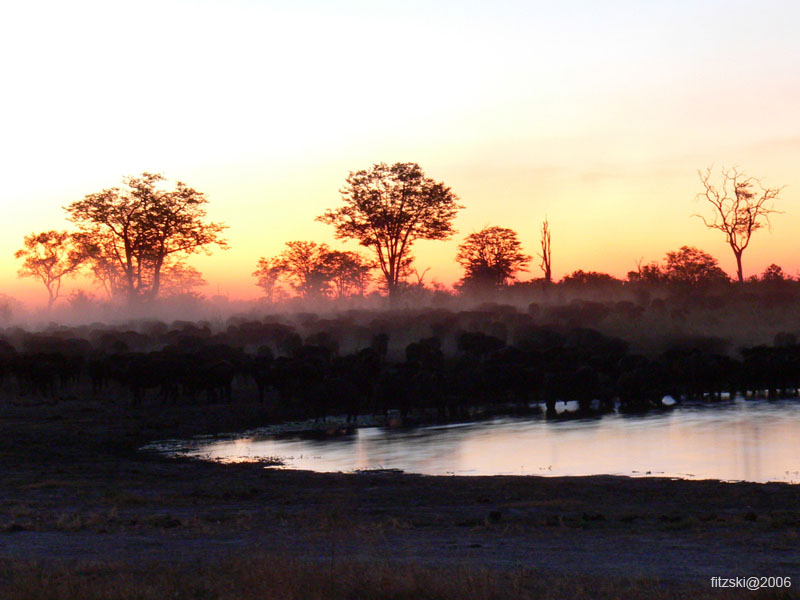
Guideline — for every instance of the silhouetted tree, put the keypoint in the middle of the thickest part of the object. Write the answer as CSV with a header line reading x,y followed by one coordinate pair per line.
x,y
304,264
693,267
98,249
490,258
314,270
775,273
387,208
546,265
49,256
349,273
268,272
741,205
180,279
589,278
772,274
651,273
130,234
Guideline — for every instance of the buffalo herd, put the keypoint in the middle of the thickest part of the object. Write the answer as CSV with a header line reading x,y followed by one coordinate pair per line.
x,y
428,363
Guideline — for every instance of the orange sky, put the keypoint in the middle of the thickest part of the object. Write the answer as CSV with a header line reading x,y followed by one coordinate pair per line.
x,y
596,117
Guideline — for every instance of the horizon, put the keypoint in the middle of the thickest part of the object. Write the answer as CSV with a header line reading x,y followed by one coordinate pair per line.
x,y
596,119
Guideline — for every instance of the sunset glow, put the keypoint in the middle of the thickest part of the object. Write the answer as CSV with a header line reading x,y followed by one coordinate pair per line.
x,y
597,118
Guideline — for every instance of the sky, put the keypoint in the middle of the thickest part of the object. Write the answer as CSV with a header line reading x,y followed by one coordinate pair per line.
x,y
594,115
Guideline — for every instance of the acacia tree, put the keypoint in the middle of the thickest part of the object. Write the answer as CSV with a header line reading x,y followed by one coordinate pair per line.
x,y
129,234
741,205
545,264
490,258
49,256
388,208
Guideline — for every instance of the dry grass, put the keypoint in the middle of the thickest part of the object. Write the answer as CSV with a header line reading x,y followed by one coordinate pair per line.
x,y
273,578
80,473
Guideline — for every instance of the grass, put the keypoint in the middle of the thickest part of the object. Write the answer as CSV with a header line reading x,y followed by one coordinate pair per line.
x,y
270,577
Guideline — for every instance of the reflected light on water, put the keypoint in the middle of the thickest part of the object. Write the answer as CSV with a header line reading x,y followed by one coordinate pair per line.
x,y
751,441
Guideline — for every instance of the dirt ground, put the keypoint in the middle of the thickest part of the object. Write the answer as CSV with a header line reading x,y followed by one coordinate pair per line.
x,y
74,488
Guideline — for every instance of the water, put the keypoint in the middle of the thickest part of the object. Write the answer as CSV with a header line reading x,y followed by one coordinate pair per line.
x,y
738,441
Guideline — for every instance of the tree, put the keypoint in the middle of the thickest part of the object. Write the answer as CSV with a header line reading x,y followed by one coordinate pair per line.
x,y
741,205
268,272
545,265
315,270
693,267
304,263
387,209
49,256
490,258
99,251
589,278
180,279
775,274
651,273
349,273
130,234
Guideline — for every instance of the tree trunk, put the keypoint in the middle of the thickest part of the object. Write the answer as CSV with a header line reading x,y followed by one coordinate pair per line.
x,y
739,266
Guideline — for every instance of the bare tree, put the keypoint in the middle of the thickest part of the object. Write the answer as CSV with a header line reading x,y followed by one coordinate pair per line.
x,y
545,265
420,276
741,205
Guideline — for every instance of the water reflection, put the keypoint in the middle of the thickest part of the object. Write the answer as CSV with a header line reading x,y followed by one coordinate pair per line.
x,y
738,440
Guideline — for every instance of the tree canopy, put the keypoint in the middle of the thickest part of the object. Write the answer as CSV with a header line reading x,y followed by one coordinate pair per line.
x,y
49,256
130,234
304,262
268,272
349,273
688,267
589,278
388,208
694,267
774,274
314,271
490,258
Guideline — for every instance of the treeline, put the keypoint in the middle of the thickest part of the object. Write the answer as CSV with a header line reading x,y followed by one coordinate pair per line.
x,y
134,241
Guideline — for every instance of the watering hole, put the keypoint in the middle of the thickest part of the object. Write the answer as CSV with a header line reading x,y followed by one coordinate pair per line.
x,y
737,440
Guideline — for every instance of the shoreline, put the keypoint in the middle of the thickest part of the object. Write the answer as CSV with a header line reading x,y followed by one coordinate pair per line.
x,y
334,436
75,490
